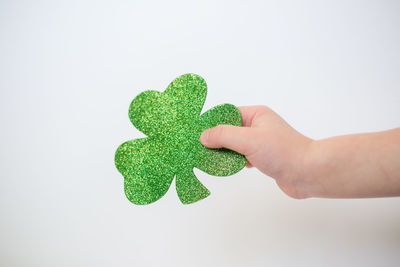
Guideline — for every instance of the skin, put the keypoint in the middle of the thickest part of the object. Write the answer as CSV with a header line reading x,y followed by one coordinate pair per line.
x,y
349,166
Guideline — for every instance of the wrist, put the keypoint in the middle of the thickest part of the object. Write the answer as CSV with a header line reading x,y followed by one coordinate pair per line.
x,y
308,182
296,181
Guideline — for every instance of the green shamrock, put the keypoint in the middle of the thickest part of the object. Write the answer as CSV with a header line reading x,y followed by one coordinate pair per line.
x,y
173,124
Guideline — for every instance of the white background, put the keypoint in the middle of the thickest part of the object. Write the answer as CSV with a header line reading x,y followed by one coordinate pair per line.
x,y
69,70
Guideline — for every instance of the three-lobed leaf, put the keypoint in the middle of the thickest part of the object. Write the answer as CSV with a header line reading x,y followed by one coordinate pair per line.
x,y
173,124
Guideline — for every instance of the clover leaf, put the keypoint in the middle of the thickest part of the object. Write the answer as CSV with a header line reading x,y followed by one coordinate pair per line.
x,y
173,124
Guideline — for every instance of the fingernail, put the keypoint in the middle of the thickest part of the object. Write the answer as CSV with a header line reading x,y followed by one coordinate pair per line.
x,y
204,137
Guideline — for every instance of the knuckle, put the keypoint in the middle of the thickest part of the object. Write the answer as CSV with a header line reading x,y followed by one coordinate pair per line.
x,y
264,109
218,135
218,132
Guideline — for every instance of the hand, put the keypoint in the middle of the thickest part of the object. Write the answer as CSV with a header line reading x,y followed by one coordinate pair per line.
x,y
268,143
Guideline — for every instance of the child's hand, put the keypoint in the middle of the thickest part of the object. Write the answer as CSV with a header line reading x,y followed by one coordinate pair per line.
x,y
268,143
363,165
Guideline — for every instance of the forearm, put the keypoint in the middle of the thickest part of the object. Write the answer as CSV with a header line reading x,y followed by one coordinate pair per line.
x,y
361,165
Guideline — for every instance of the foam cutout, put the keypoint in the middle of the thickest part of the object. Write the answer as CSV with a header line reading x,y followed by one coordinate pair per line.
x,y
173,125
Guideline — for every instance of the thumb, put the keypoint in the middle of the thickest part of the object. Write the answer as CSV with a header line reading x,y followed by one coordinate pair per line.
x,y
228,136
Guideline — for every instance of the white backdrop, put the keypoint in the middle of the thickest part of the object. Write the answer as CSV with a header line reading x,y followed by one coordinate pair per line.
x,y
69,70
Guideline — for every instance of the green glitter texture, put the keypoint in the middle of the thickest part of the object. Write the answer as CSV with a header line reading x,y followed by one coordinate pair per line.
x,y
173,124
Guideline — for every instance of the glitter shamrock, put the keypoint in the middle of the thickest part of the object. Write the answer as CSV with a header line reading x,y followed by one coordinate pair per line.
x,y
173,124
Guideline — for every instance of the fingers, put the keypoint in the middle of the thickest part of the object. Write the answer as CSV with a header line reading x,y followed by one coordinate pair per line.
x,y
239,139
249,113
235,138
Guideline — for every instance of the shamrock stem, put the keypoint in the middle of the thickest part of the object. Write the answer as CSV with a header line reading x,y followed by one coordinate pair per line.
x,y
189,188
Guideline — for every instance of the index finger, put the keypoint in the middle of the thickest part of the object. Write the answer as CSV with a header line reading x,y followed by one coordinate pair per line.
x,y
248,113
